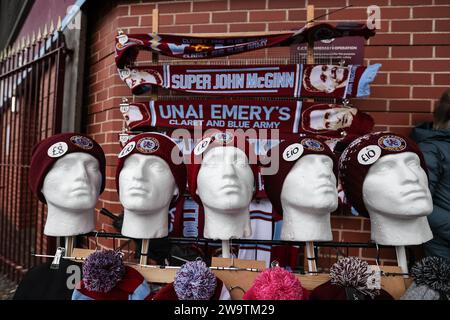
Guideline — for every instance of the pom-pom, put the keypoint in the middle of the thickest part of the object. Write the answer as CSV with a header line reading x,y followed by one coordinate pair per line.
x,y
102,270
352,272
433,272
277,284
194,281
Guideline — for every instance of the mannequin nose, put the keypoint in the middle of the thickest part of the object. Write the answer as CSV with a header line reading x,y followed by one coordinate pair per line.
x,y
228,170
322,169
409,175
81,173
138,172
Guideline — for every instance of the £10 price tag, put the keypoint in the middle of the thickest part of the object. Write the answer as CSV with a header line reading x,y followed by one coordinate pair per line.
x,y
369,155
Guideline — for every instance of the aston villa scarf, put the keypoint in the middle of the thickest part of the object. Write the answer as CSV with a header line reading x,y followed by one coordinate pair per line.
x,y
189,47
287,116
292,80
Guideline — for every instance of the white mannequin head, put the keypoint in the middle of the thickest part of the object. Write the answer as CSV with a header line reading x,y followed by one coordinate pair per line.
x,y
71,189
396,195
146,189
308,196
225,185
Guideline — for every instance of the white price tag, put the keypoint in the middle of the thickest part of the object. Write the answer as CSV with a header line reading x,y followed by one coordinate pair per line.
x,y
57,150
202,146
127,149
369,154
293,152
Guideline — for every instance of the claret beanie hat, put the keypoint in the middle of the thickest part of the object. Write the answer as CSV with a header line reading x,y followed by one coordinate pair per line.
x,y
276,284
349,280
362,153
229,138
193,281
160,145
50,150
289,152
106,277
431,280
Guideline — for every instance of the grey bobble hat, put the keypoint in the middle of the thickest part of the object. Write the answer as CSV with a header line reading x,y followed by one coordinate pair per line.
x,y
431,280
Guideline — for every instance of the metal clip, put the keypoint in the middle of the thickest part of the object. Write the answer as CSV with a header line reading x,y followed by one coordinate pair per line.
x,y
122,37
346,103
59,253
236,287
124,106
123,138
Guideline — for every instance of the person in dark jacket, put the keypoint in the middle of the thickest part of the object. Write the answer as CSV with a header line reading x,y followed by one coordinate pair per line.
x,y
434,141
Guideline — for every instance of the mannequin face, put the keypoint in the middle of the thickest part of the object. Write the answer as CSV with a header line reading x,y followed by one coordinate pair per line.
x,y
146,183
225,180
311,185
396,185
74,182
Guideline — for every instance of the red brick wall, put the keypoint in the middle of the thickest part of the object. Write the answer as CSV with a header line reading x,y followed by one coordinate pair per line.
x,y
413,45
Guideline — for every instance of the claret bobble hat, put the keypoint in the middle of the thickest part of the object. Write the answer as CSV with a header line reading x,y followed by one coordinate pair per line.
x,y
193,281
431,280
276,284
350,280
106,277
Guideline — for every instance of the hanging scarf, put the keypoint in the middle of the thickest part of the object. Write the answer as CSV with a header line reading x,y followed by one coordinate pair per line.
x,y
292,80
189,47
288,116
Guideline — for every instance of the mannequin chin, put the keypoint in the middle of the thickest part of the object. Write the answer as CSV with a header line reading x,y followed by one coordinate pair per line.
x,y
396,195
71,189
147,188
308,196
225,185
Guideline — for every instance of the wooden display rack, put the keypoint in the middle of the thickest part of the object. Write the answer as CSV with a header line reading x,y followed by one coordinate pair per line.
x,y
237,282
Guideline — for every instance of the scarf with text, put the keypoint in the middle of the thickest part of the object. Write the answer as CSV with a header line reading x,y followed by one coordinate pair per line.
x,y
287,116
291,80
190,47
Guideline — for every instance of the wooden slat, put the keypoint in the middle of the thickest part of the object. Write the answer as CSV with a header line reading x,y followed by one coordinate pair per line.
x,y
81,253
394,285
242,279
155,275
